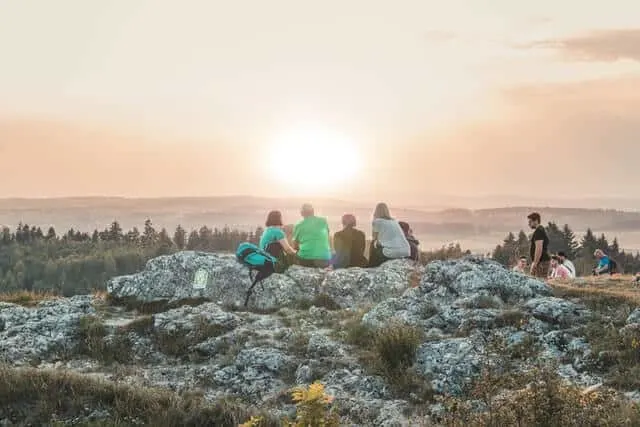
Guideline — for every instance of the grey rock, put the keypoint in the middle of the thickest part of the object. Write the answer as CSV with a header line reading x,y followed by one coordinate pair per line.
x,y
321,346
46,332
557,311
187,319
634,317
451,364
171,278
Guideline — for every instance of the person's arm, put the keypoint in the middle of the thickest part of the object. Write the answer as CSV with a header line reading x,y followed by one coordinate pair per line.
x,y
374,233
295,243
331,243
603,265
286,246
537,255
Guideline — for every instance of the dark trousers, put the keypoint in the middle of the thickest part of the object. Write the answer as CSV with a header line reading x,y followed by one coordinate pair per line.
x,y
312,263
376,256
542,270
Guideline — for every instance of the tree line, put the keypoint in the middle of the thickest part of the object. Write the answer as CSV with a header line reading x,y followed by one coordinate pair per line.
x,y
77,262
580,251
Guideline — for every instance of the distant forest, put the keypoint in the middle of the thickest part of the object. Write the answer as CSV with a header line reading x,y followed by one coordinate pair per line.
x,y
579,251
77,262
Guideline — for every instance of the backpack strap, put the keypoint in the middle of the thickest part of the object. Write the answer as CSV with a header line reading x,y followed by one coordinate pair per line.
x,y
259,277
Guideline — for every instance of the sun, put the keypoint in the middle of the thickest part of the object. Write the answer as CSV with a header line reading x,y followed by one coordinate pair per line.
x,y
312,158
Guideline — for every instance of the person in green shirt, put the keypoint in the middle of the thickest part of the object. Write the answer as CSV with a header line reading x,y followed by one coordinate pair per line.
x,y
311,237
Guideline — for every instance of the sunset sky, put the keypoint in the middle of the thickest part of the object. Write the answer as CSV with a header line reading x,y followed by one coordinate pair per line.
x,y
197,98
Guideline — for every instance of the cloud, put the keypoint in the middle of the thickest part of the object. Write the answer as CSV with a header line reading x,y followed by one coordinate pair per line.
x,y
602,46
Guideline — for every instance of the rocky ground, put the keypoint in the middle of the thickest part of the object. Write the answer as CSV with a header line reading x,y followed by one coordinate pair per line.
x,y
451,343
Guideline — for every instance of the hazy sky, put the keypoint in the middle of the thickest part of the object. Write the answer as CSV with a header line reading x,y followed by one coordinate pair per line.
x,y
159,97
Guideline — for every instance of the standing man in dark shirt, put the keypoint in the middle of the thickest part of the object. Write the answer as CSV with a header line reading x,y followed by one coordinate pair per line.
x,y
539,244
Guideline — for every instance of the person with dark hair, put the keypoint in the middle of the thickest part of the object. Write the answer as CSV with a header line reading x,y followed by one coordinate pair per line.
x,y
311,236
274,240
388,240
349,244
557,270
521,266
562,257
413,242
539,247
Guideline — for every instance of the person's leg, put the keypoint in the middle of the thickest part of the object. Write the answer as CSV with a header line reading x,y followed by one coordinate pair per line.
x,y
542,270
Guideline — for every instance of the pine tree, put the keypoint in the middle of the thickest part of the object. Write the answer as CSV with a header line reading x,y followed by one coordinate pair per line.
x,y
556,238
602,243
571,246
6,238
115,232
180,238
51,234
614,248
588,245
133,236
193,242
165,244
149,235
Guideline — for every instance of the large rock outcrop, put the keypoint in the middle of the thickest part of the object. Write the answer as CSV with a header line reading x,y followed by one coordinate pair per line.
x,y
47,331
461,305
464,307
221,279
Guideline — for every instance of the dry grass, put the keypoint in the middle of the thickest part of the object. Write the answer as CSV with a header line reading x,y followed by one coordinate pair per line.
x,y
133,304
37,397
537,398
612,298
178,343
616,351
96,343
27,298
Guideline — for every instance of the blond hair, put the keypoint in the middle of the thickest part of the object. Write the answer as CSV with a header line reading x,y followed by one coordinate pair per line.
x,y
381,211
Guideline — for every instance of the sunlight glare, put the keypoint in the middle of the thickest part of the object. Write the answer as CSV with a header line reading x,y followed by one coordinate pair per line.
x,y
314,159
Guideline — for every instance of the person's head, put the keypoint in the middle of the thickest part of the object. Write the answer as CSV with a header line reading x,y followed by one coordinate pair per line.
x,y
522,262
554,261
306,210
599,253
382,211
274,219
405,227
562,256
348,221
534,219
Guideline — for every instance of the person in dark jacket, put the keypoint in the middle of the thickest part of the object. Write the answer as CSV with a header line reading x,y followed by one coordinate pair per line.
x,y
413,242
349,244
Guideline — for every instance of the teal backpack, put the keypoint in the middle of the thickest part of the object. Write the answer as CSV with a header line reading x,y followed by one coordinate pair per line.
x,y
261,265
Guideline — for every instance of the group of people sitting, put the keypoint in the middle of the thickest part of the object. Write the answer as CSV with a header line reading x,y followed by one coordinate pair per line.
x,y
560,267
311,243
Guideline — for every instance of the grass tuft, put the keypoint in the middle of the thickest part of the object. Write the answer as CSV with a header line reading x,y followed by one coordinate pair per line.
x,y
35,397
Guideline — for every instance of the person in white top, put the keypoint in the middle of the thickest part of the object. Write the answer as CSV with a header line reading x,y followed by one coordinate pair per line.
x,y
568,264
389,241
557,270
